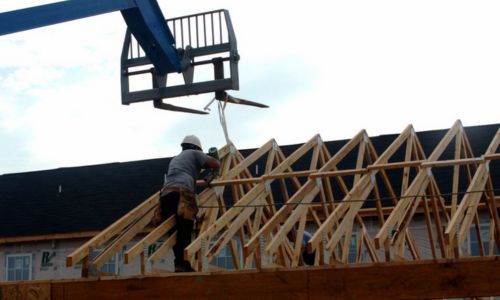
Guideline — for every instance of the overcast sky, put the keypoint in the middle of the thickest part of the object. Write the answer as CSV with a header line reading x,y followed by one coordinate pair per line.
x,y
327,67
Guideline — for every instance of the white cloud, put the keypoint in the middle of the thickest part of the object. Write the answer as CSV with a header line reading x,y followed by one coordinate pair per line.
x,y
71,126
27,78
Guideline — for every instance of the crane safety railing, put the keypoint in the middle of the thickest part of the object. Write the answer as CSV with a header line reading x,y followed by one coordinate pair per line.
x,y
199,39
205,33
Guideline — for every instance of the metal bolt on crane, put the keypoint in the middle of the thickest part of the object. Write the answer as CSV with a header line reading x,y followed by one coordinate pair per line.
x,y
154,47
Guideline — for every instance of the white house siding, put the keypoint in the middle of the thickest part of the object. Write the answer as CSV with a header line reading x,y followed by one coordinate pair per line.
x,y
56,267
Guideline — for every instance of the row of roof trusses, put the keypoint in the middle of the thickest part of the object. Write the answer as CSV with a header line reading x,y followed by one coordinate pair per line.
x,y
327,200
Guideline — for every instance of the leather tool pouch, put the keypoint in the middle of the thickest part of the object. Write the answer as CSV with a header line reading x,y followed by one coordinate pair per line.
x,y
187,207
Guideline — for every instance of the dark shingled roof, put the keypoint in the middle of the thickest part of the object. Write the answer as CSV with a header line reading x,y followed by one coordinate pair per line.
x,y
92,197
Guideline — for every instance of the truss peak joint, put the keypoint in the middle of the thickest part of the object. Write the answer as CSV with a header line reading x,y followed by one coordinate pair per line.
x,y
267,186
366,138
319,182
275,145
218,191
232,150
319,141
412,131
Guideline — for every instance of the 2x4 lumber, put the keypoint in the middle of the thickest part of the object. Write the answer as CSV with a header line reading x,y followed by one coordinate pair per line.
x,y
494,217
122,240
270,159
348,172
471,200
226,150
347,242
437,221
453,162
430,232
290,222
149,239
408,157
396,165
261,178
224,220
324,158
422,178
253,157
112,230
306,189
48,237
370,247
162,250
323,199
361,192
248,198
464,278
492,156
299,236
232,229
344,206
456,168
281,158
360,159
315,155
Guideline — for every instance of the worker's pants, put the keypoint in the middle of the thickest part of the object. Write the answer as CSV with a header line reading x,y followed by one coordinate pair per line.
x,y
184,227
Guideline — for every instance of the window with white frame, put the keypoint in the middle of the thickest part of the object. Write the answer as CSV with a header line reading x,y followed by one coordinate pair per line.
x,y
112,266
18,266
224,259
474,245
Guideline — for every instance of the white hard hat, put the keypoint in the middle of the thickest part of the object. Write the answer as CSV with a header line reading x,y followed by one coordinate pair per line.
x,y
191,139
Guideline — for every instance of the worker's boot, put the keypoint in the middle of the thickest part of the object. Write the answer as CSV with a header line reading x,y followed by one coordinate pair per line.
x,y
183,266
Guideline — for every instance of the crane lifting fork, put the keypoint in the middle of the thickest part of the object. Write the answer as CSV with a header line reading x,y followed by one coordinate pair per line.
x,y
154,47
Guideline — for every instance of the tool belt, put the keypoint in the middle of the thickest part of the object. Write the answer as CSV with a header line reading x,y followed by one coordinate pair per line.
x,y
187,207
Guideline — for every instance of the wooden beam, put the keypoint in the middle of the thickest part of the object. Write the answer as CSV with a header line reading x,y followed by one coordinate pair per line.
x,y
475,277
304,195
359,191
48,237
257,191
406,206
149,239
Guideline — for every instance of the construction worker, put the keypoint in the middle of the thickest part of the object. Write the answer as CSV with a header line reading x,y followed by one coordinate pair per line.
x,y
178,195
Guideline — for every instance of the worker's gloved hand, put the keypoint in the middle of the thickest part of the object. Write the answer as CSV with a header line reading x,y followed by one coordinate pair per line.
x,y
210,175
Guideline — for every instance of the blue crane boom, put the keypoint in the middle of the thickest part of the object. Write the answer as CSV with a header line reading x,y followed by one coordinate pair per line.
x,y
158,52
144,19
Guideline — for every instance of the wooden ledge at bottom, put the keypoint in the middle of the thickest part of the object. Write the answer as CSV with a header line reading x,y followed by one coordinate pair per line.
x,y
467,277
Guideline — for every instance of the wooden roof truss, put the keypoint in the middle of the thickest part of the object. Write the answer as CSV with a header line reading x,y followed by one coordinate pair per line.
x,y
269,213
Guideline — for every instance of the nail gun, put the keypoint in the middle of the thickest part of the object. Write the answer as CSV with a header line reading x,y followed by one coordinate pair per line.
x,y
211,174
